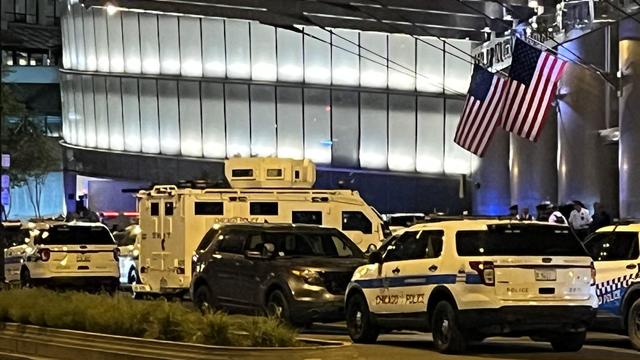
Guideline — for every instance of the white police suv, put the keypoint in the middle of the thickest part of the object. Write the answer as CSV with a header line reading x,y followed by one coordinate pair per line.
x,y
467,280
616,252
64,254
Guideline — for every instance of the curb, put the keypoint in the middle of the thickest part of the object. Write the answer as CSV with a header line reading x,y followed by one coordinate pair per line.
x,y
35,341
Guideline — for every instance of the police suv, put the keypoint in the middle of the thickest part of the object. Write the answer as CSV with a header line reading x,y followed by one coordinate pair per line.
x,y
63,254
616,252
470,279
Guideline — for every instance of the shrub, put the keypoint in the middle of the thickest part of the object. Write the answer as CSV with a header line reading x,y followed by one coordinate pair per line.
x,y
156,319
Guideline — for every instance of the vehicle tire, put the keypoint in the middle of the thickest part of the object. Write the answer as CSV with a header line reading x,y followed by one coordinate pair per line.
x,y
278,307
633,324
203,299
569,342
25,278
447,336
362,328
133,277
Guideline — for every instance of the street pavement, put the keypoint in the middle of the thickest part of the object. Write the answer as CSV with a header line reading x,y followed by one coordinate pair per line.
x,y
413,345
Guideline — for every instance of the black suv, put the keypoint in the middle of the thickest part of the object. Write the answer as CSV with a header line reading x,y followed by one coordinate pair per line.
x,y
296,272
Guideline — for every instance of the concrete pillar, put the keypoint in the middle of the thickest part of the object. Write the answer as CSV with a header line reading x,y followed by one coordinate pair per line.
x,y
534,167
629,105
491,195
587,168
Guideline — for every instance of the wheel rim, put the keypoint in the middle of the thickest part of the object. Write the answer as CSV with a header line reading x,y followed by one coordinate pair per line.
x,y
203,303
276,308
355,319
443,330
636,321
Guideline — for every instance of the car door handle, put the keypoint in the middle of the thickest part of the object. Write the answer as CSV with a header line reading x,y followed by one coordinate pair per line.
x,y
396,271
631,266
433,268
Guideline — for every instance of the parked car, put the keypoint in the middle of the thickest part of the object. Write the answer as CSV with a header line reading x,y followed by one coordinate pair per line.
x,y
471,279
64,254
296,272
616,252
128,241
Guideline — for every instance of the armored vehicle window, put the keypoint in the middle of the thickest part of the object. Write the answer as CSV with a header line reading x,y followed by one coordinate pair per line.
x,y
274,173
263,208
168,208
306,217
356,221
612,246
242,173
155,209
208,208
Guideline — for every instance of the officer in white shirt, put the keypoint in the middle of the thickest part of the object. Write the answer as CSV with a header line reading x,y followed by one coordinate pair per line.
x,y
579,219
556,216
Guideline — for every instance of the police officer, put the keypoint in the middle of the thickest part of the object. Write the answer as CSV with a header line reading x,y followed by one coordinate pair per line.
x,y
579,219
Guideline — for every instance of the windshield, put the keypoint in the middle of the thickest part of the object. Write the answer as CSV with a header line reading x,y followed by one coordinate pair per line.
x,y
75,235
534,240
325,244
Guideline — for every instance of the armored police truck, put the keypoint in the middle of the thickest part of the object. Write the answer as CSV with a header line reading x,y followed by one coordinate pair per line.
x,y
174,219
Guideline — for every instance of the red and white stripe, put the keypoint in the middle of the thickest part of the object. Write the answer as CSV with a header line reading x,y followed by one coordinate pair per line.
x,y
480,119
525,108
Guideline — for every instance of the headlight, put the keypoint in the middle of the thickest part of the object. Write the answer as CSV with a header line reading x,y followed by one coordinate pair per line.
x,y
309,276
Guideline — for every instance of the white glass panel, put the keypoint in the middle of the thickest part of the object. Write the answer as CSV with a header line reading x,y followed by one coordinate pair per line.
x,y
317,56
373,130
79,109
237,116
238,50
430,65
190,120
114,101
213,127
102,43
149,128
373,59
168,117
213,52
169,47
64,104
102,120
91,62
149,44
263,120
130,26
89,114
79,36
290,132
131,113
402,133
430,149
116,53
317,129
72,38
457,72
345,63
263,52
345,128
71,123
402,62
456,159
290,56
190,55
66,45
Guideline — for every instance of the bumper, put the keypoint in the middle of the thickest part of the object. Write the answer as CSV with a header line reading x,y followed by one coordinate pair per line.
x,y
78,281
317,311
527,320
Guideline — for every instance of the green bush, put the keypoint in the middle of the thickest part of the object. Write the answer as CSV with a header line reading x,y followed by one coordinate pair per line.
x,y
156,319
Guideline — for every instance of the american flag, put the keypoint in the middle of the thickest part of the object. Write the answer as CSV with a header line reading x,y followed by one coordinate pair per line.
x,y
481,113
534,75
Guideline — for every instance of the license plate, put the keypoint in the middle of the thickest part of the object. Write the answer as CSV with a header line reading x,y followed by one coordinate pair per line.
x,y
83,258
545,274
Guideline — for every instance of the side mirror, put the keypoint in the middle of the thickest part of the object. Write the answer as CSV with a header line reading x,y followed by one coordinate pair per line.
x,y
375,257
253,255
371,248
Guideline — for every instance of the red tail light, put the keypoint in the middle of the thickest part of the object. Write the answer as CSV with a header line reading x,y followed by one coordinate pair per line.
x,y
116,254
593,273
45,254
486,271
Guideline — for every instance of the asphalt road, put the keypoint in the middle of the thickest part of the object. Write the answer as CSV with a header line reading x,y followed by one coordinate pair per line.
x,y
413,345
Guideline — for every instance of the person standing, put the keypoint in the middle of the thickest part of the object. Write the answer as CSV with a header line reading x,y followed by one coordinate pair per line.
x,y
513,211
579,219
525,216
556,216
600,217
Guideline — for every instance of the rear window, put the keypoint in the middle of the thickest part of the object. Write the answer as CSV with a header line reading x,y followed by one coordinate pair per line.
x,y
538,240
75,235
